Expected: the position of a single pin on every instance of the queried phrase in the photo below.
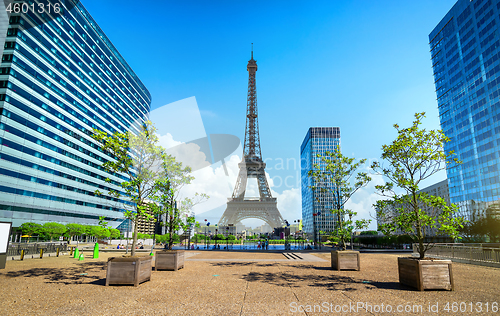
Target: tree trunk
(134, 239)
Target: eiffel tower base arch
(264, 209)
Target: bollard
(77, 253)
(41, 253)
(22, 255)
(96, 251)
(57, 255)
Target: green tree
(31, 229)
(138, 157)
(167, 188)
(334, 177)
(490, 226)
(87, 231)
(368, 233)
(54, 230)
(231, 237)
(414, 156)
(99, 232)
(114, 233)
(198, 238)
(73, 230)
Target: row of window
(84, 41)
(36, 154)
(33, 139)
(11, 208)
(36, 128)
(44, 196)
(40, 77)
(51, 171)
(25, 177)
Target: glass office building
(60, 77)
(318, 140)
(465, 52)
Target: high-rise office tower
(316, 216)
(465, 53)
(60, 77)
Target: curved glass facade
(58, 81)
(465, 51)
(318, 140)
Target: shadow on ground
(83, 273)
(331, 281)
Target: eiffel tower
(252, 166)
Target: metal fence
(31, 249)
(469, 253)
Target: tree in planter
(332, 178)
(54, 230)
(138, 157)
(414, 156)
(167, 189)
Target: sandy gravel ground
(66, 286)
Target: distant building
(318, 140)
(59, 80)
(439, 189)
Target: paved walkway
(240, 283)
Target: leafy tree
(138, 157)
(219, 237)
(231, 237)
(31, 228)
(114, 233)
(167, 188)
(99, 232)
(103, 223)
(73, 229)
(333, 177)
(198, 238)
(87, 231)
(489, 226)
(368, 233)
(53, 229)
(414, 156)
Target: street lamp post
(208, 224)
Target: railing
(469, 253)
(32, 249)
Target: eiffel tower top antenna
(251, 149)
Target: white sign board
(4, 236)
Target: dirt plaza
(241, 283)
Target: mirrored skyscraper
(318, 140)
(465, 53)
(60, 77)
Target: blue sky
(359, 65)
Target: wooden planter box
(426, 274)
(129, 270)
(169, 260)
(345, 260)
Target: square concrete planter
(169, 260)
(345, 260)
(129, 270)
(426, 274)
